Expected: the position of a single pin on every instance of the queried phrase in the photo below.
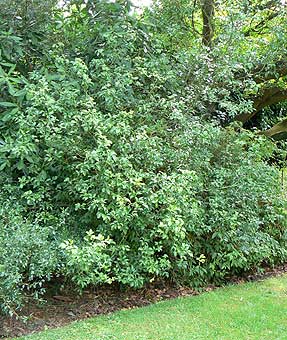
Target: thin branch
(263, 72)
(261, 25)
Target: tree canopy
(243, 50)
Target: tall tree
(243, 48)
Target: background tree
(245, 68)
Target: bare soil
(62, 309)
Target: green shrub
(129, 196)
(245, 213)
(89, 263)
(106, 177)
(28, 255)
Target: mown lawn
(248, 311)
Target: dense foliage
(111, 168)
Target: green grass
(248, 311)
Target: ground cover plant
(247, 311)
(124, 159)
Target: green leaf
(8, 104)
(20, 165)
(16, 80)
(9, 114)
(7, 64)
(2, 166)
(20, 93)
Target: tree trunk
(276, 129)
(269, 96)
(207, 8)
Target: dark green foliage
(33, 23)
(159, 195)
(106, 176)
(29, 255)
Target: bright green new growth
(253, 311)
